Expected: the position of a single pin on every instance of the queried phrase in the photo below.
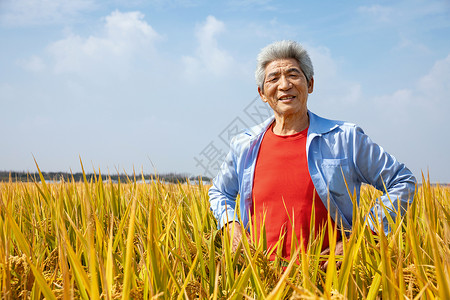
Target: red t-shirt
(281, 174)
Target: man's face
(286, 88)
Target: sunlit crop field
(102, 240)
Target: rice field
(131, 240)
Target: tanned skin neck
(291, 124)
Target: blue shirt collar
(317, 125)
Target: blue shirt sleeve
(225, 188)
(380, 169)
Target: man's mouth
(285, 98)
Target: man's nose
(285, 84)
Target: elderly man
(296, 160)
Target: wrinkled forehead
(285, 65)
(282, 70)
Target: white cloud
(161, 4)
(324, 65)
(414, 122)
(7, 93)
(209, 56)
(126, 28)
(407, 15)
(274, 30)
(33, 64)
(252, 4)
(435, 85)
(406, 44)
(380, 13)
(329, 84)
(427, 100)
(124, 35)
(38, 12)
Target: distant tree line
(58, 176)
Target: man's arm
(223, 192)
(380, 169)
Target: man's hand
(339, 250)
(237, 237)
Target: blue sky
(161, 85)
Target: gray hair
(283, 50)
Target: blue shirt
(335, 150)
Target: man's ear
(311, 85)
(261, 94)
